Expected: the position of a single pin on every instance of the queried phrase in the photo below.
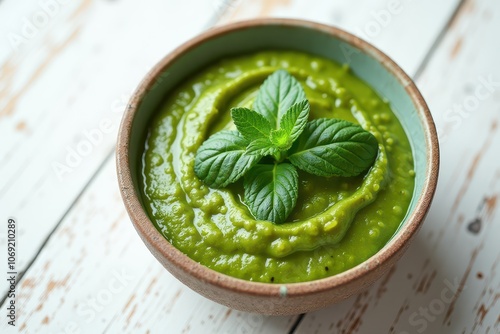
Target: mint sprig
(279, 127)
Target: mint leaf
(294, 121)
(261, 147)
(332, 147)
(250, 124)
(276, 95)
(271, 191)
(221, 159)
(279, 138)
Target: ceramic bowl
(367, 62)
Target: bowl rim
(148, 231)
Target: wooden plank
(62, 93)
(95, 245)
(449, 280)
(404, 29)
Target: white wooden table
(67, 69)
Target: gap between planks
(296, 323)
(63, 217)
(438, 40)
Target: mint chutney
(337, 222)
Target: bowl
(368, 63)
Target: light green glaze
(337, 223)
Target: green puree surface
(337, 222)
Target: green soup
(337, 222)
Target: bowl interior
(369, 65)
